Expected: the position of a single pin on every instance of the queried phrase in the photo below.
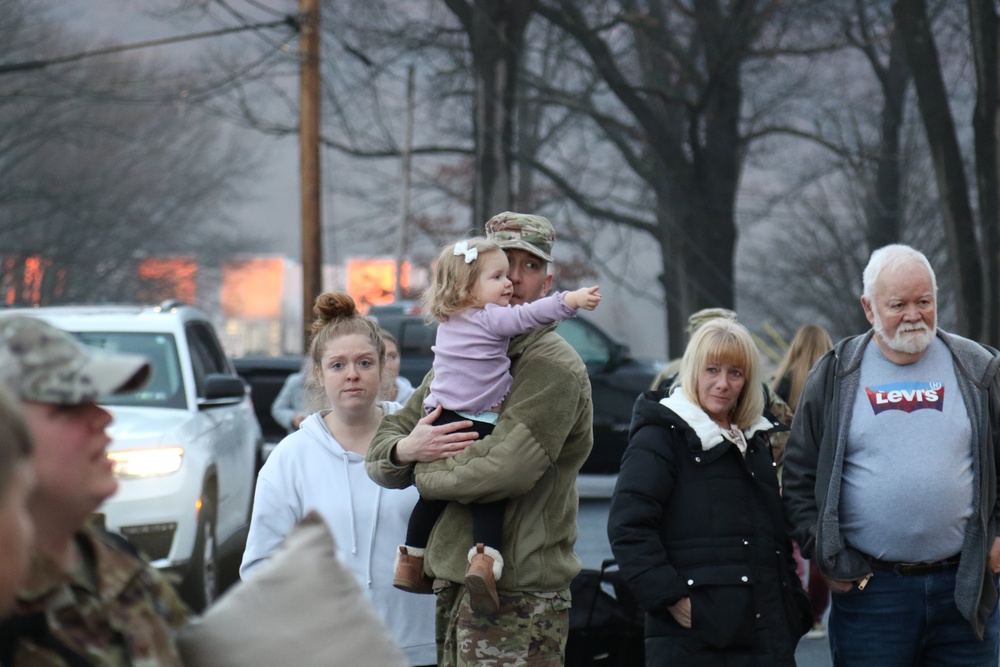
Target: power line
(243, 20)
(7, 68)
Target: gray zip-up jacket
(814, 463)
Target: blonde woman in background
(696, 522)
(810, 343)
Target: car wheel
(202, 582)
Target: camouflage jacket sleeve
(115, 610)
(379, 461)
(781, 412)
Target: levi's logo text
(907, 396)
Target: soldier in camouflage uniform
(543, 436)
(89, 599)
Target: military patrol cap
(706, 315)
(42, 363)
(531, 233)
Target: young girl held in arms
(470, 299)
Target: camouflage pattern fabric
(531, 233)
(42, 363)
(115, 610)
(783, 413)
(528, 629)
(698, 318)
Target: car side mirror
(222, 389)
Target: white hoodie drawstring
(371, 541)
(354, 525)
(350, 501)
(344, 457)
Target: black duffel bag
(605, 622)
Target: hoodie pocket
(722, 605)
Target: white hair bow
(462, 248)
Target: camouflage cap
(42, 363)
(531, 233)
(706, 315)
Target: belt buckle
(915, 568)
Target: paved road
(592, 547)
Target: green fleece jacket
(543, 436)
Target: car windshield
(165, 388)
(587, 342)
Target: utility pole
(404, 224)
(309, 161)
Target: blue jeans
(908, 621)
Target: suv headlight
(147, 462)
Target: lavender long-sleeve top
(471, 367)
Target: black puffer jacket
(687, 521)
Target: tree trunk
(684, 106)
(932, 98)
(496, 37)
(986, 125)
(884, 224)
(674, 278)
(707, 211)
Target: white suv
(184, 447)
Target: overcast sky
(271, 211)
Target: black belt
(907, 569)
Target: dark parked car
(266, 375)
(615, 377)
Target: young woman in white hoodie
(322, 466)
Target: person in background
(890, 481)
(696, 523)
(321, 467)
(395, 387)
(538, 445)
(17, 479)
(810, 343)
(89, 598)
(289, 407)
(470, 299)
(664, 380)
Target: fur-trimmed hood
(707, 431)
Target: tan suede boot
(410, 575)
(485, 568)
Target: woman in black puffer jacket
(696, 522)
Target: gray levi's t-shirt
(906, 493)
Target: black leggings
(487, 518)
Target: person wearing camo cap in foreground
(88, 599)
(541, 439)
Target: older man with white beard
(890, 480)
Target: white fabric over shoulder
(300, 608)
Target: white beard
(907, 344)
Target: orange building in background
(372, 282)
(162, 278)
(253, 288)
